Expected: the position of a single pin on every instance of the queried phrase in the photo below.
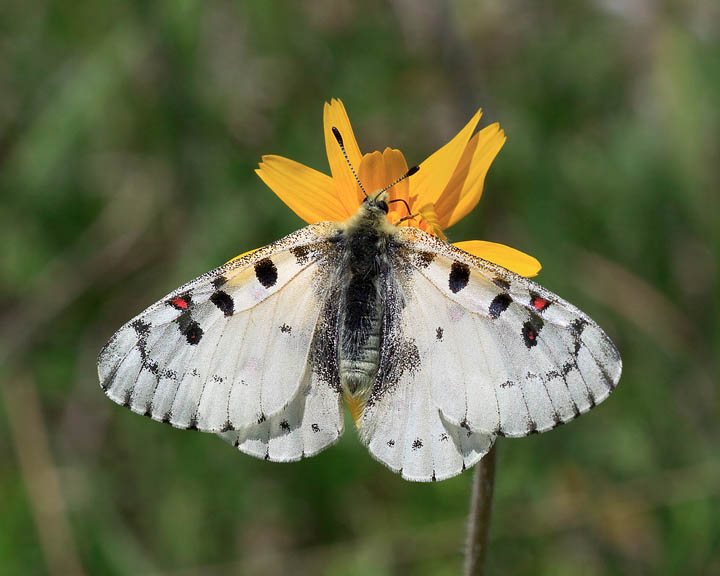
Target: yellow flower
(445, 189)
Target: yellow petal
(379, 169)
(465, 188)
(348, 191)
(308, 193)
(502, 255)
(427, 185)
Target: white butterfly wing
(473, 351)
(513, 358)
(231, 349)
(401, 424)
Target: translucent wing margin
(503, 355)
(227, 351)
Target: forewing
(230, 347)
(503, 355)
(401, 424)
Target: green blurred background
(129, 132)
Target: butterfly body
(435, 351)
(361, 281)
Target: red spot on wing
(531, 335)
(540, 303)
(179, 303)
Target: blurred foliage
(129, 132)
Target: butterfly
(435, 351)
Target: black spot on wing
(266, 272)
(300, 253)
(501, 283)
(578, 325)
(219, 282)
(224, 302)
(181, 302)
(424, 259)
(285, 426)
(141, 327)
(538, 302)
(151, 366)
(499, 304)
(576, 329)
(531, 330)
(417, 444)
(315, 427)
(459, 276)
(439, 333)
(285, 329)
(189, 328)
(391, 443)
(529, 335)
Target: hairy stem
(476, 545)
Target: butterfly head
(372, 214)
(378, 203)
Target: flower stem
(476, 545)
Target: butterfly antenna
(339, 139)
(407, 174)
(403, 201)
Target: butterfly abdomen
(359, 364)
